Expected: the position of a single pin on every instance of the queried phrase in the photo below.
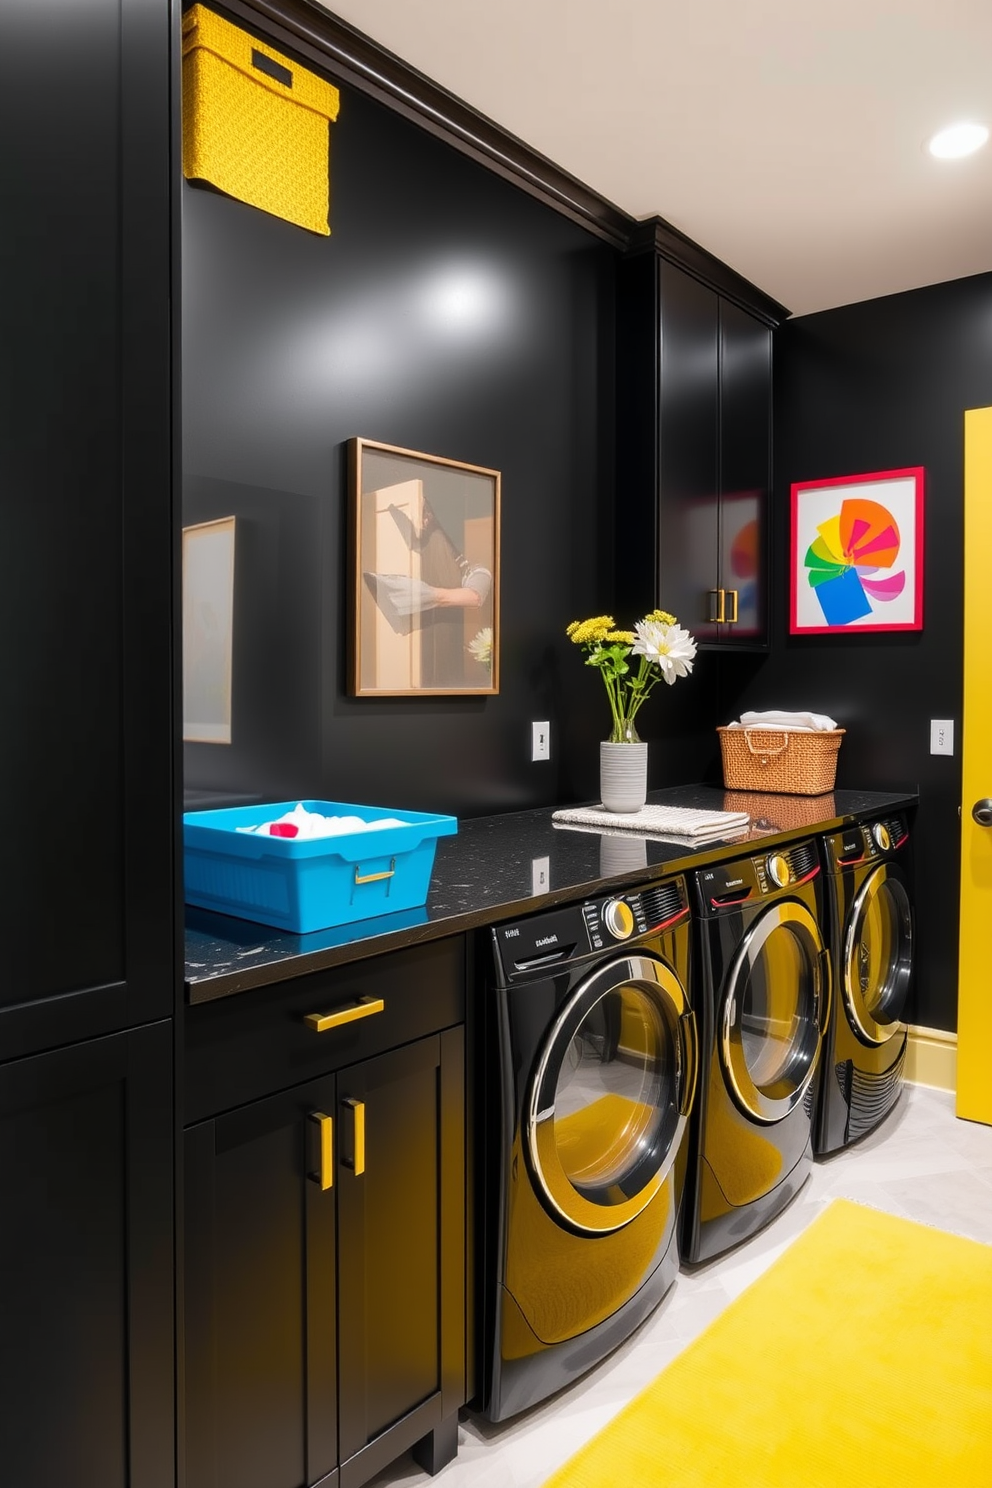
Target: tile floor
(921, 1163)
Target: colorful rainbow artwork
(850, 563)
(856, 553)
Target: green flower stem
(626, 691)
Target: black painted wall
(878, 386)
(450, 313)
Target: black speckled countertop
(487, 873)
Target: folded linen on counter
(796, 722)
(681, 823)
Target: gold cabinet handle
(720, 595)
(363, 1008)
(357, 1162)
(732, 619)
(325, 1128)
(374, 877)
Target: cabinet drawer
(240, 1048)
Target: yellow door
(974, 1095)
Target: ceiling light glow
(958, 140)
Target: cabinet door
(259, 1297)
(402, 1260)
(86, 1265)
(688, 443)
(86, 558)
(745, 473)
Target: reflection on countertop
(488, 872)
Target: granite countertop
(494, 869)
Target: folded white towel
(656, 821)
(779, 720)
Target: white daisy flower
(669, 646)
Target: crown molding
(655, 235)
(355, 59)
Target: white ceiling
(785, 136)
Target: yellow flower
(624, 637)
(590, 632)
(661, 617)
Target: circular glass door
(611, 1094)
(774, 1011)
(878, 955)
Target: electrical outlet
(540, 875)
(942, 736)
(540, 748)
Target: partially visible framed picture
(208, 630)
(424, 539)
(856, 559)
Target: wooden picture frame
(856, 553)
(208, 630)
(424, 574)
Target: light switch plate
(540, 875)
(540, 748)
(942, 736)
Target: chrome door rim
(573, 1207)
(862, 1022)
(758, 1105)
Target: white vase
(623, 776)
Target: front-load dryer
(870, 929)
(762, 996)
(587, 1069)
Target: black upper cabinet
(694, 452)
(86, 560)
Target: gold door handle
(375, 877)
(363, 1008)
(325, 1132)
(357, 1161)
(732, 619)
(720, 596)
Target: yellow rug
(861, 1359)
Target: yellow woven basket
(795, 764)
(255, 124)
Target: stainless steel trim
(869, 1029)
(577, 1211)
(753, 1101)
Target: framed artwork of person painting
(424, 538)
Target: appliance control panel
(865, 841)
(725, 885)
(543, 940)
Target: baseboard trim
(932, 1058)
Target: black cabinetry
(694, 446)
(87, 910)
(325, 1272)
(86, 1258)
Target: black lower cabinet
(86, 1265)
(324, 1311)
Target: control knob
(778, 869)
(618, 917)
(880, 832)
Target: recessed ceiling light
(958, 140)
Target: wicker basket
(800, 763)
(255, 124)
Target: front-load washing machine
(870, 929)
(762, 996)
(586, 1075)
